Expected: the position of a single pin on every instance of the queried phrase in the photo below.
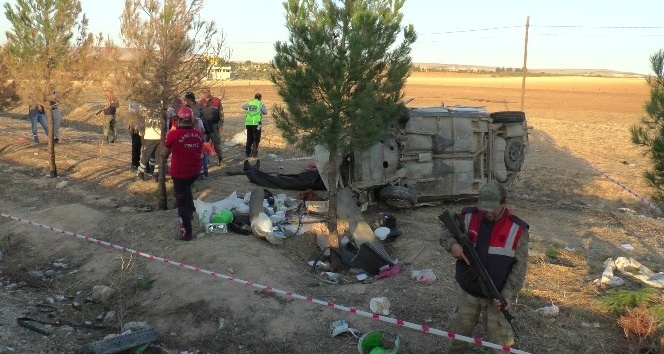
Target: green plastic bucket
(378, 342)
(222, 217)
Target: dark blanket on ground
(299, 182)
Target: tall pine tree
(49, 49)
(649, 133)
(340, 76)
(172, 45)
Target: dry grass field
(580, 127)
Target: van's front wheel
(398, 197)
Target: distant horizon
(489, 67)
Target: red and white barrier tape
(330, 304)
(624, 187)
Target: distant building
(221, 73)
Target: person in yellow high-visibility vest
(253, 122)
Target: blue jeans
(204, 164)
(41, 119)
(56, 123)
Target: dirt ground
(579, 129)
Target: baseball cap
(186, 114)
(491, 195)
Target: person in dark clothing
(136, 129)
(501, 241)
(213, 118)
(109, 124)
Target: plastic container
(382, 232)
(222, 217)
(214, 227)
(378, 342)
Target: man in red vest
(501, 241)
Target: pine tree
(649, 133)
(171, 45)
(48, 48)
(340, 76)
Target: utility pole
(524, 70)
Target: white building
(220, 73)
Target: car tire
(508, 117)
(398, 197)
(515, 154)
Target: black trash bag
(299, 181)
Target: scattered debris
(627, 246)
(382, 232)
(119, 343)
(388, 271)
(61, 185)
(380, 305)
(320, 265)
(634, 269)
(379, 342)
(340, 326)
(331, 277)
(549, 311)
(607, 275)
(627, 210)
(425, 276)
(102, 293)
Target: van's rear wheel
(515, 154)
(398, 197)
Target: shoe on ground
(36, 140)
(156, 177)
(56, 140)
(219, 161)
(246, 166)
(185, 237)
(257, 165)
(202, 176)
(140, 176)
(134, 167)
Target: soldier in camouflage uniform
(501, 241)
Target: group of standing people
(191, 123)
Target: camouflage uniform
(473, 308)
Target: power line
(474, 30)
(545, 26)
(601, 27)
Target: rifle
(477, 270)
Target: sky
(563, 34)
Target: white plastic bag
(425, 276)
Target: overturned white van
(434, 154)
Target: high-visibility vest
(254, 114)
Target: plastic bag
(425, 276)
